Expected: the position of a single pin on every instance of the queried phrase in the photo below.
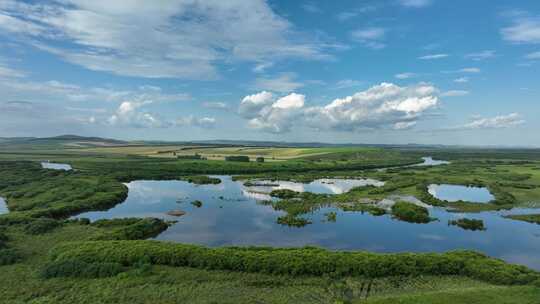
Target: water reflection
(321, 186)
(454, 193)
(230, 216)
(56, 166)
(3, 206)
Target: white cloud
(215, 105)
(531, 56)
(370, 37)
(433, 56)
(454, 93)
(469, 70)
(481, 55)
(128, 114)
(415, 3)
(382, 106)
(253, 104)
(7, 72)
(349, 14)
(461, 80)
(497, 122)
(284, 83)
(277, 116)
(405, 75)
(348, 83)
(524, 29)
(311, 8)
(177, 39)
(204, 122)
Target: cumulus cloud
(251, 105)
(177, 39)
(461, 80)
(433, 56)
(415, 3)
(497, 122)
(129, 114)
(525, 28)
(284, 82)
(277, 116)
(371, 37)
(382, 106)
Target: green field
(48, 259)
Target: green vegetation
(193, 157)
(260, 159)
(45, 258)
(237, 158)
(531, 218)
(297, 261)
(331, 216)
(130, 228)
(197, 203)
(410, 212)
(203, 180)
(468, 224)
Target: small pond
(429, 161)
(3, 206)
(454, 193)
(231, 215)
(56, 166)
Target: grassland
(40, 200)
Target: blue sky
(396, 71)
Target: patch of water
(230, 217)
(321, 186)
(428, 161)
(56, 166)
(3, 206)
(454, 193)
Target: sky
(387, 72)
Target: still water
(453, 193)
(55, 166)
(230, 215)
(3, 206)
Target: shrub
(41, 225)
(410, 212)
(77, 268)
(237, 158)
(260, 159)
(284, 193)
(297, 261)
(331, 216)
(132, 228)
(292, 221)
(8, 256)
(203, 180)
(468, 224)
